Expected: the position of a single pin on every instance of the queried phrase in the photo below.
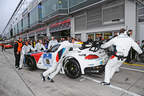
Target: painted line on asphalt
(131, 69)
(134, 64)
(112, 86)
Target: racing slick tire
(31, 63)
(72, 68)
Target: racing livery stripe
(112, 57)
(59, 54)
(37, 56)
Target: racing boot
(42, 77)
(16, 67)
(19, 68)
(105, 83)
(51, 80)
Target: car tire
(72, 68)
(31, 63)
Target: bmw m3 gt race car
(75, 63)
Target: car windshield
(55, 48)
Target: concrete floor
(23, 82)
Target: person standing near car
(52, 42)
(25, 49)
(89, 40)
(3, 47)
(39, 46)
(46, 43)
(123, 44)
(17, 52)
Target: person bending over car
(25, 49)
(39, 46)
(122, 43)
(57, 61)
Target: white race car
(75, 63)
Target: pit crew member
(52, 42)
(39, 46)
(17, 50)
(57, 62)
(25, 49)
(123, 44)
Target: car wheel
(72, 68)
(31, 63)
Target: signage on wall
(63, 25)
(39, 29)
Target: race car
(75, 63)
(7, 46)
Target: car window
(55, 48)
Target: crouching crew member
(17, 52)
(25, 49)
(123, 44)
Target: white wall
(72, 31)
(140, 32)
(130, 16)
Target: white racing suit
(123, 44)
(52, 43)
(25, 50)
(39, 46)
(57, 64)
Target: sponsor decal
(59, 54)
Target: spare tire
(72, 68)
(31, 63)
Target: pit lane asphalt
(30, 83)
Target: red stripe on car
(37, 56)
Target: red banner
(59, 23)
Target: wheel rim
(72, 69)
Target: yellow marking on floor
(134, 64)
